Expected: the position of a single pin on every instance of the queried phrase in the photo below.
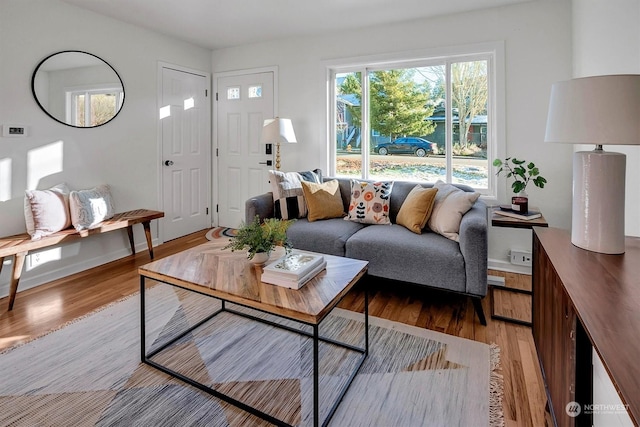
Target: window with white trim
(93, 107)
(403, 120)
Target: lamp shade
(595, 110)
(277, 130)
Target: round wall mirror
(78, 89)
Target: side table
(495, 281)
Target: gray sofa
(393, 251)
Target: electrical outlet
(42, 257)
(520, 257)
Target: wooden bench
(20, 244)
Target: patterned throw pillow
(90, 207)
(369, 202)
(288, 198)
(46, 211)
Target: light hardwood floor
(50, 306)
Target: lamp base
(598, 201)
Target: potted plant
(259, 239)
(522, 173)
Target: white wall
(537, 38)
(122, 153)
(606, 40)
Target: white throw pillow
(90, 207)
(46, 211)
(450, 205)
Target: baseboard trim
(495, 264)
(67, 270)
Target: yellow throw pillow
(323, 200)
(416, 208)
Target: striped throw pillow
(288, 197)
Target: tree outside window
(412, 102)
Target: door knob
(268, 163)
(168, 162)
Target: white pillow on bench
(46, 211)
(90, 207)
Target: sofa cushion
(328, 236)
(369, 202)
(396, 253)
(416, 208)
(90, 207)
(288, 197)
(46, 211)
(450, 205)
(323, 200)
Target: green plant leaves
(261, 237)
(521, 174)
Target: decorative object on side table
(261, 238)
(522, 173)
(597, 110)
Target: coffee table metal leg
(143, 354)
(366, 322)
(316, 388)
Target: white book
(293, 266)
(529, 215)
(275, 279)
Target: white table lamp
(275, 131)
(601, 110)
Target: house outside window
(403, 120)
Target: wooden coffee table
(229, 277)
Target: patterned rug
(220, 232)
(88, 373)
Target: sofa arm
(261, 205)
(474, 247)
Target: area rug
(88, 373)
(220, 232)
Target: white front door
(186, 152)
(244, 101)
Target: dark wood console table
(583, 299)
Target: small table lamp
(276, 131)
(597, 110)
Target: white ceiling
(217, 24)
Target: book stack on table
(530, 214)
(294, 270)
